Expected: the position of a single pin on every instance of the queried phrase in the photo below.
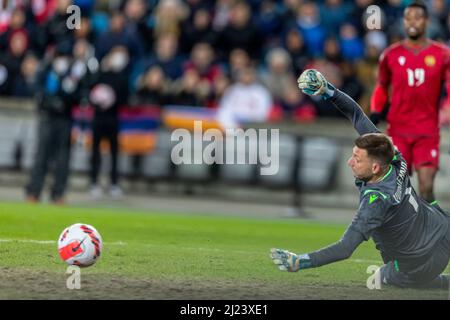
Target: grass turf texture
(166, 256)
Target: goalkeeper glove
(313, 83)
(288, 261)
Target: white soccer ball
(80, 245)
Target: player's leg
(41, 164)
(62, 158)
(426, 163)
(391, 275)
(445, 278)
(403, 145)
(426, 176)
(429, 274)
(425, 276)
(440, 282)
(97, 134)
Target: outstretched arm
(343, 249)
(370, 216)
(353, 112)
(338, 251)
(312, 82)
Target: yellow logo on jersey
(430, 61)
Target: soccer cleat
(31, 199)
(96, 192)
(58, 201)
(313, 83)
(288, 261)
(116, 192)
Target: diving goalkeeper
(412, 235)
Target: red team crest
(430, 61)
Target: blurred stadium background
(175, 61)
(182, 57)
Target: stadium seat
(79, 158)
(10, 133)
(318, 162)
(194, 172)
(287, 162)
(239, 173)
(125, 164)
(7, 149)
(157, 164)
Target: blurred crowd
(224, 54)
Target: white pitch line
(367, 261)
(29, 241)
(118, 243)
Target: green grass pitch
(150, 255)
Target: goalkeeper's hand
(288, 261)
(313, 83)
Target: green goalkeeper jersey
(404, 227)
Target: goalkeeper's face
(363, 167)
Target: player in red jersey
(415, 70)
